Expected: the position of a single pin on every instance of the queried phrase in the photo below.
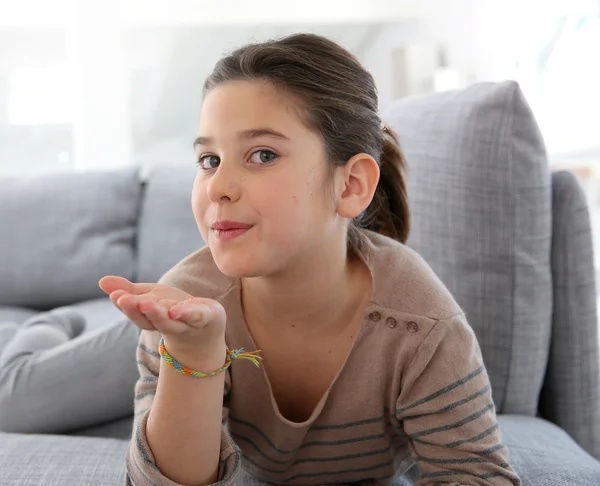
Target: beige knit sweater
(413, 389)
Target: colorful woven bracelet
(232, 355)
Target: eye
(207, 162)
(263, 157)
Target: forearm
(184, 423)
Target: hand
(189, 324)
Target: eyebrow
(245, 135)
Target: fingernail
(177, 315)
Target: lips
(229, 230)
(230, 225)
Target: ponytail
(389, 213)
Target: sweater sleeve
(447, 411)
(141, 466)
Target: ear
(357, 184)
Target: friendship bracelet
(232, 355)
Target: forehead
(246, 104)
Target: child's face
(278, 185)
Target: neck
(315, 294)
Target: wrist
(204, 358)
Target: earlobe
(360, 178)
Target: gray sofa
(511, 240)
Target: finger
(139, 322)
(146, 326)
(112, 283)
(128, 304)
(115, 296)
(158, 315)
(193, 312)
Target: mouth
(228, 230)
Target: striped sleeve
(447, 411)
(141, 467)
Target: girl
(368, 364)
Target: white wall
(138, 70)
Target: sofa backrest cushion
(479, 191)
(62, 232)
(167, 228)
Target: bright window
(40, 96)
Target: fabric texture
(62, 232)
(18, 315)
(76, 383)
(167, 228)
(479, 193)
(413, 389)
(49, 460)
(114, 429)
(544, 454)
(98, 313)
(66, 318)
(541, 453)
(39, 333)
(571, 393)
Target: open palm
(159, 307)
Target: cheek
(292, 210)
(285, 200)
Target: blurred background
(88, 84)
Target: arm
(447, 411)
(178, 437)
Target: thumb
(111, 283)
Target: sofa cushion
(167, 228)
(18, 315)
(54, 460)
(115, 429)
(98, 313)
(543, 454)
(62, 232)
(479, 190)
(540, 452)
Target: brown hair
(340, 102)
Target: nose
(224, 184)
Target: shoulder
(404, 282)
(416, 315)
(198, 275)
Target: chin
(237, 266)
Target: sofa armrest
(571, 391)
